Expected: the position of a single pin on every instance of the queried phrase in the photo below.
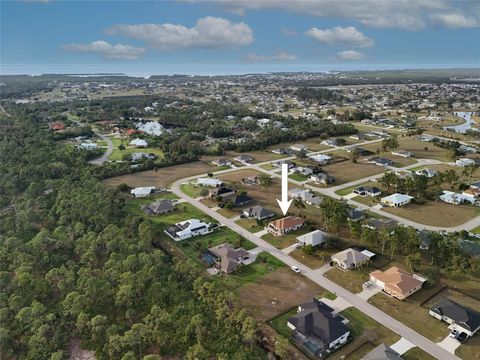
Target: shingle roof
(287, 222)
(459, 313)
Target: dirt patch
(77, 353)
(162, 177)
(288, 288)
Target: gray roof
(382, 352)
(260, 212)
(320, 324)
(159, 207)
(462, 315)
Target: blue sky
(228, 36)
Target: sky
(231, 36)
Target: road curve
(106, 154)
(370, 310)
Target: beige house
(350, 258)
(285, 225)
(397, 282)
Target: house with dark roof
(356, 214)
(462, 318)
(380, 224)
(380, 161)
(368, 191)
(258, 212)
(223, 192)
(159, 207)
(382, 352)
(244, 159)
(317, 328)
(242, 200)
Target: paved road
(106, 154)
(356, 301)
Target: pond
(467, 125)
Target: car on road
(454, 334)
(296, 269)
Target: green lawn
(327, 295)
(476, 230)
(298, 177)
(281, 242)
(251, 225)
(417, 354)
(118, 154)
(191, 190)
(367, 200)
(280, 323)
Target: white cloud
(107, 50)
(404, 14)
(347, 36)
(288, 32)
(350, 55)
(209, 33)
(280, 56)
(455, 20)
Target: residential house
(222, 162)
(429, 173)
(358, 136)
(321, 159)
(402, 153)
(298, 147)
(451, 197)
(317, 328)
(380, 161)
(475, 185)
(258, 212)
(397, 282)
(462, 318)
(329, 142)
(426, 138)
(285, 225)
(305, 171)
(139, 143)
(367, 191)
(465, 149)
(470, 247)
(278, 164)
(355, 215)
(56, 125)
(465, 162)
(242, 200)
(223, 192)
(359, 151)
(142, 191)
(280, 151)
(322, 178)
(396, 200)
(159, 207)
(350, 258)
(210, 182)
(187, 229)
(139, 156)
(305, 195)
(250, 180)
(425, 239)
(313, 238)
(382, 352)
(379, 224)
(227, 258)
(244, 159)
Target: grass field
(347, 171)
(298, 177)
(162, 177)
(417, 354)
(118, 155)
(318, 258)
(280, 323)
(191, 190)
(446, 215)
(251, 225)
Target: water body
(467, 125)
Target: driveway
(449, 344)
(402, 346)
(289, 249)
(369, 292)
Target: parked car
(298, 246)
(462, 337)
(454, 334)
(296, 269)
(221, 206)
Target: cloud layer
(208, 33)
(347, 36)
(107, 50)
(350, 55)
(405, 14)
(280, 56)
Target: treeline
(320, 95)
(73, 264)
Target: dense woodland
(73, 264)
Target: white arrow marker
(284, 203)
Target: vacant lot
(417, 354)
(258, 156)
(281, 242)
(162, 177)
(347, 171)
(276, 292)
(318, 258)
(251, 225)
(446, 215)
